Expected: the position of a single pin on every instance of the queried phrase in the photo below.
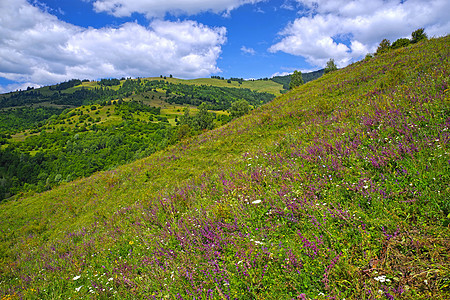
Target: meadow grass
(338, 189)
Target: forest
(73, 129)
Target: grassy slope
(352, 171)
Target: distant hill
(111, 122)
(336, 189)
(307, 77)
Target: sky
(44, 42)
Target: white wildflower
(256, 202)
(77, 277)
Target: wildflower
(131, 242)
(78, 288)
(256, 202)
(77, 277)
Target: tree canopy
(383, 47)
(331, 66)
(296, 80)
(418, 35)
(239, 108)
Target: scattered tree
(204, 119)
(296, 80)
(383, 47)
(239, 108)
(403, 42)
(418, 36)
(331, 66)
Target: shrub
(400, 43)
(383, 47)
(418, 36)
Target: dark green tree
(331, 66)
(296, 80)
(239, 108)
(383, 47)
(400, 43)
(204, 119)
(418, 36)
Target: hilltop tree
(331, 66)
(296, 80)
(403, 42)
(383, 47)
(418, 36)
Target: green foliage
(383, 47)
(418, 35)
(77, 153)
(66, 85)
(109, 82)
(307, 77)
(239, 108)
(190, 125)
(204, 119)
(217, 98)
(296, 80)
(368, 57)
(400, 43)
(331, 66)
(19, 119)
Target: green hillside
(307, 77)
(338, 189)
(70, 130)
(254, 85)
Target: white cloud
(158, 8)
(17, 86)
(280, 74)
(39, 49)
(347, 30)
(249, 51)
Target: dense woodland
(307, 77)
(67, 132)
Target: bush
(400, 43)
(331, 66)
(383, 47)
(418, 36)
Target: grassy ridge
(336, 189)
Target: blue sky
(48, 41)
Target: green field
(338, 189)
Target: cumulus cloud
(36, 48)
(347, 30)
(158, 8)
(280, 74)
(249, 51)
